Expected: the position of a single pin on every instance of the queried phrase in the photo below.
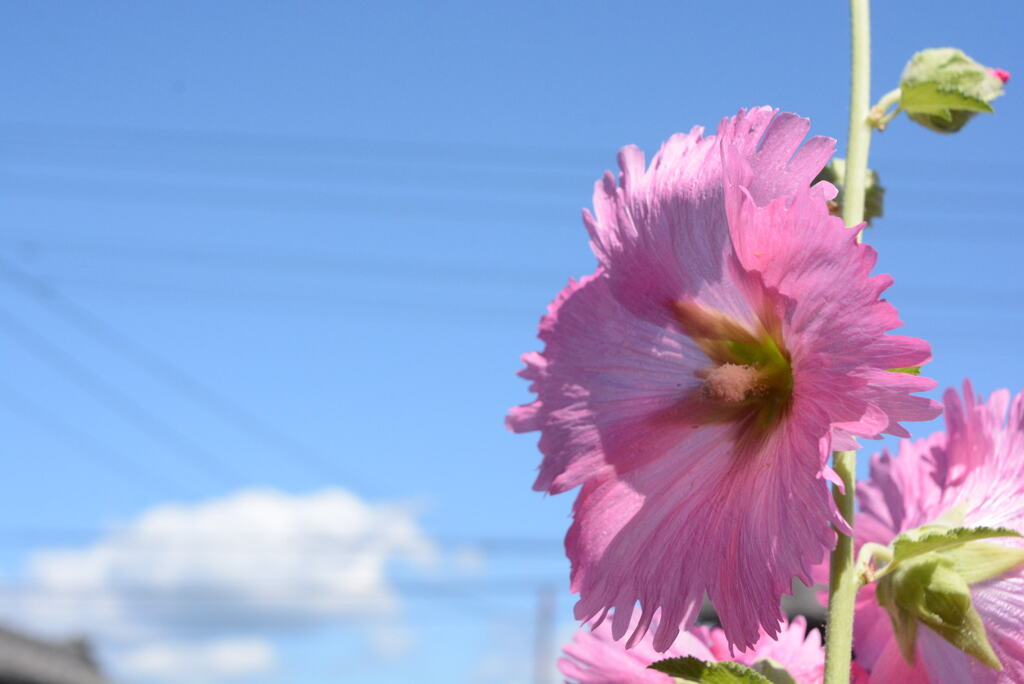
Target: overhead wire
(17, 535)
(249, 146)
(120, 403)
(528, 156)
(303, 263)
(166, 371)
(21, 404)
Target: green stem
(843, 584)
(880, 115)
(842, 579)
(869, 553)
(859, 139)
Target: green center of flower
(750, 377)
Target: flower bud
(942, 88)
(927, 582)
(928, 590)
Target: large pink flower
(978, 466)
(594, 657)
(694, 384)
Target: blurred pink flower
(594, 657)
(694, 384)
(978, 463)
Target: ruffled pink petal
(891, 667)
(595, 656)
(676, 501)
(792, 244)
(665, 533)
(605, 382)
(1000, 602)
(946, 664)
(893, 393)
(798, 650)
(872, 628)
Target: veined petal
(606, 379)
(694, 384)
(697, 520)
(596, 657)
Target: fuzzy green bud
(927, 582)
(942, 88)
(928, 590)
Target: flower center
(731, 382)
(750, 379)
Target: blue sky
(295, 246)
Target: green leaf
(773, 671)
(929, 98)
(690, 669)
(909, 370)
(929, 538)
(977, 562)
(942, 88)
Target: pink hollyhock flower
(595, 657)
(977, 465)
(694, 384)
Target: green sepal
(928, 98)
(874, 193)
(937, 538)
(690, 669)
(909, 370)
(773, 671)
(977, 562)
(927, 581)
(942, 88)
(928, 590)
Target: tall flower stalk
(843, 583)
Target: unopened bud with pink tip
(942, 88)
(1002, 74)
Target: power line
(318, 301)
(122, 537)
(217, 596)
(956, 299)
(454, 152)
(120, 403)
(427, 206)
(161, 369)
(295, 262)
(431, 207)
(23, 405)
(529, 156)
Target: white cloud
(391, 640)
(163, 590)
(469, 560)
(256, 559)
(213, 661)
